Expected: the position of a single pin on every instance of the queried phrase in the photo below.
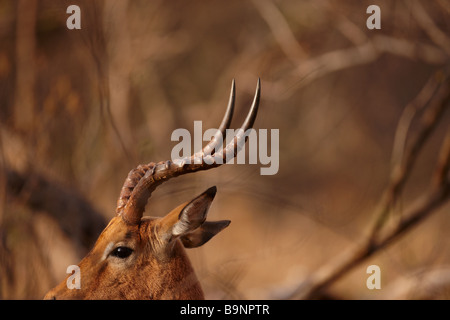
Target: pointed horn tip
(233, 87)
(255, 104)
(251, 117)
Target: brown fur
(158, 267)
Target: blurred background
(80, 108)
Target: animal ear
(204, 233)
(187, 217)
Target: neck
(177, 278)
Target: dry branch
(381, 233)
(405, 159)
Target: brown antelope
(138, 257)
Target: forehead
(118, 230)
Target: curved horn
(143, 180)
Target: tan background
(80, 108)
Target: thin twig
(402, 168)
(320, 66)
(421, 101)
(280, 30)
(426, 22)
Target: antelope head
(138, 257)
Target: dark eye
(122, 252)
